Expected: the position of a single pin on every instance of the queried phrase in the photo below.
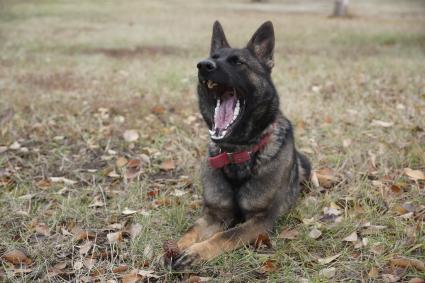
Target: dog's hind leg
(304, 167)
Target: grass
(75, 75)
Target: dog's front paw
(187, 257)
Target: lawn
(101, 139)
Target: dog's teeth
(212, 132)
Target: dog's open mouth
(228, 109)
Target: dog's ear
(218, 39)
(262, 44)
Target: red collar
(224, 158)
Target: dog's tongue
(225, 111)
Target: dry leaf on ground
(408, 262)
(268, 266)
(115, 237)
(42, 229)
(131, 135)
(17, 257)
(128, 211)
(168, 165)
(326, 177)
(329, 259)
(62, 180)
(131, 278)
(119, 269)
(351, 238)
(381, 123)
(134, 230)
(85, 248)
(328, 272)
(414, 174)
(315, 233)
(389, 278)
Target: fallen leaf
(268, 266)
(158, 109)
(315, 233)
(128, 211)
(408, 262)
(372, 229)
(115, 237)
(378, 248)
(314, 179)
(78, 265)
(113, 174)
(148, 251)
(60, 265)
(121, 162)
(145, 159)
(389, 278)
(326, 177)
(328, 272)
(134, 230)
(381, 123)
(115, 226)
(163, 202)
(89, 262)
(416, 280)
(21, 270)
(414, 174)
(17, 257)
(288, 234)
(62, 180)
(85, 248)
(134, 167)
(178, 193)
(148, 274)
(351, 238)
(44, 184)
(168, 165)
(42, 229)
(15, 146)
(80, 235)
(373, 272)
(97, 202)
(131, 278)
(130, 135)
(329, 259)
(120, 268)
(193, 279)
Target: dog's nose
(206, 65)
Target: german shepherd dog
(253, 172)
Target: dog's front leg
(204, 227)
(218, 208)
(228, 240)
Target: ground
(100, 139)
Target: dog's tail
(304, 167)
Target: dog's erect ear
(218, 39)
(262, 44)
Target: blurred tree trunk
(340, 8)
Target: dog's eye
(215, 56)
(235, 60)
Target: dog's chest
(238, 173)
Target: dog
(253, 171)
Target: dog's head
(236, 95)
